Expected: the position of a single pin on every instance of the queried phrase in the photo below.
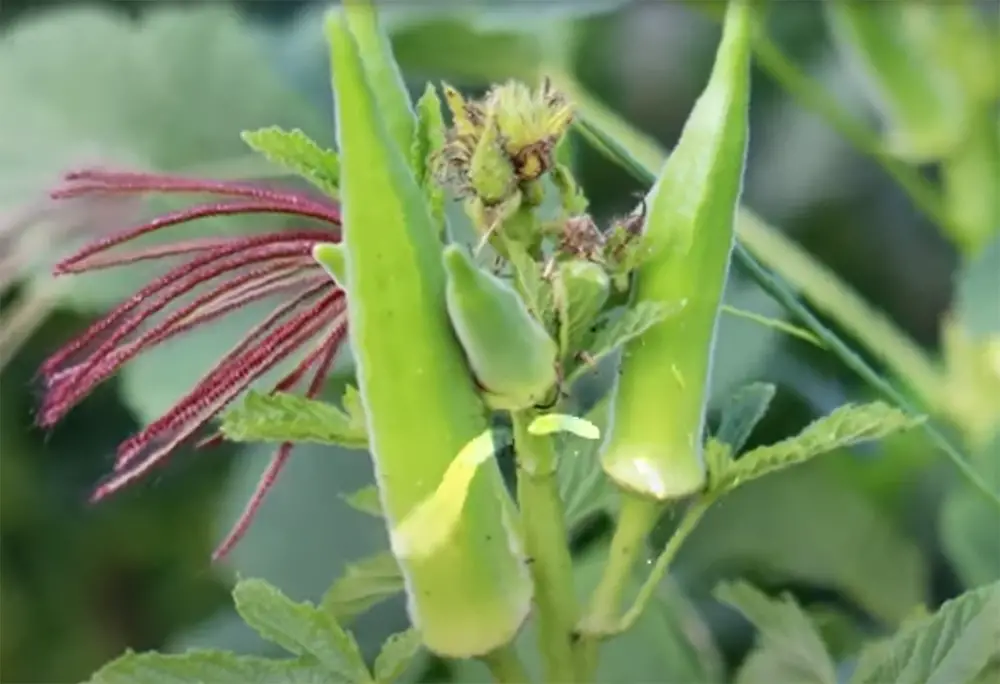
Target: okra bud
(472, 593)
(653, 445)
(510, 353)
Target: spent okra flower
(209, 278)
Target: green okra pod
(653, 446)
(470, 594)
(509, 351)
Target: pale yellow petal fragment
(557, 422)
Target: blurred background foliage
(862, 538)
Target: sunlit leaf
(217, 667)
(848, 425)
(365, 500)
(283, 417)
(301, 629)
(298, 153)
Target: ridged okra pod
(510, 353)
(653, 445)
(470, 595)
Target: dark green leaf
(396, 655)
(217, 667)
(298, 153)
(301, 629)
(363, 584)
(283, 417)
(788, 640)
(742, 412)
(954, 645)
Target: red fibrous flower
(215, 276)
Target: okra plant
(466, 350)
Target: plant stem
(636, 520)
(547, 545)
(505, 665)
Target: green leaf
(396, 655)
(283, 417)
(954, 645)
(809, 525)
(429, 140)
(217, 667)
(365, 500)
(583, 487)
(741, 413)
(300, 628)
(534, 289)
(788, 640)
(363, 584)
(619, 327)
(298, 153)
(848, 425)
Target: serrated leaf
(954, 645)
(363, 584)
(282, 417)
(298, 153)
(848, 425)
(794, 649)
(217, 667)
(397, 653)
(537, 293)
(301, 629)
(365, 500)
(429, 140)
(741, 413)
(620, 327)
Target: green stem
(505, 665)
(547, 545)
(636, 520)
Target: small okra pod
(653, 445)
(472, 593)
(509, 351)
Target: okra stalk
(653, 447)
(472, 593)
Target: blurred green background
(169, 85)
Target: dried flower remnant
(215, 276)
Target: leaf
(774, 324)
(297, 152)
(537, 293)
(977, 302)
(620, 327)
(428, 141)
(809, 525)
(583, 487)
(954, 645)
(786, 635)
(848, 425)
(396, 655)
(365, 500)
(363, 585)
(217, 667)
(300, 628)
(283, 417)
(741, 413)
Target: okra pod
(653, 445)
(471, 595)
